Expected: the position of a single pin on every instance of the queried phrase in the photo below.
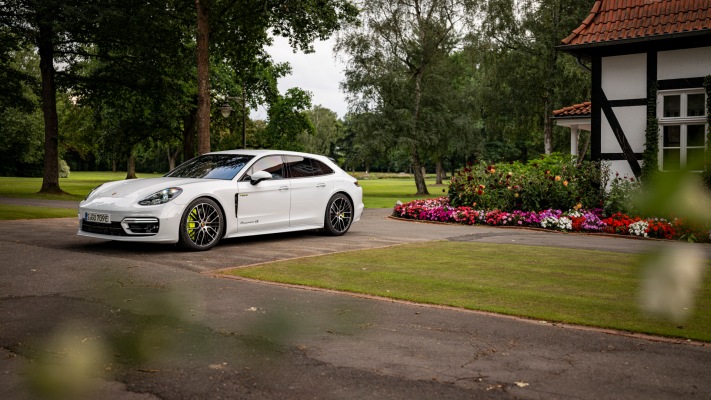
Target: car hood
(137, 189)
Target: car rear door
(311, 187)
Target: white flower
(639, 228)
(565, 223)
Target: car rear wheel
(339, 215)
(202, 225)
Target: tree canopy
(431, 84)
(455, 81)
(129, 68)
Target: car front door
(263, 206)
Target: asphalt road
(166, 327)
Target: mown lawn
(383, 193)
(572, 286)
(78, 185)
(377, 193)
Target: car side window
(299, 167)
(321, 168)
(272, 164)
(303, 167)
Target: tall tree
(526, 34)
(391, 52)
(225, 24)
(40, 23)
(327, 132)
(203, 75)
(64, 33)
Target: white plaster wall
(625, 77)
(633, 121)
(686, 63)
(608, 141)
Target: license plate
(97, 217)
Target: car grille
(113, 229)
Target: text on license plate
(97, 217)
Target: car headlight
(92, 192)
(161, 197)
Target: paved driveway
(191, 335)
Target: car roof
(264, 152)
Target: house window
(682, 121)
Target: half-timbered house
(649, 60)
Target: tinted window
(211, 166)
(301, 167)
(321, 168)
(272, 164)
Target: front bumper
(131, 223)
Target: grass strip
(383, 193)
(583, 287)
(10, 212)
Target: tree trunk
(415, 156)
(189, 135)
(417, 169)
(172, 158)
(114, 167)
(440, 171)
(131, 166)
(547, 126)
(50, 180)
(203, 64)
(584, 150)
(549, 91)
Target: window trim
(682, 121)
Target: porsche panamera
(225, 194)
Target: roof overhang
(686, 39)
(584, 123)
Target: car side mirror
(259, 176)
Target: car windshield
(211, 166)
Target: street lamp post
(226, 109)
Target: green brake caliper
(193, 224)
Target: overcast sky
(318, 73)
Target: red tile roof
(612, 20)
(578, 110)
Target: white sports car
(225, 194)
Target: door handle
(284, 188)
(320, 185)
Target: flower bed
(441, 210)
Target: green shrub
(622, 195)
(63, 169)
(553, 181)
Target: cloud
(318, 72)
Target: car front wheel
(339, 215)
(202, 225)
